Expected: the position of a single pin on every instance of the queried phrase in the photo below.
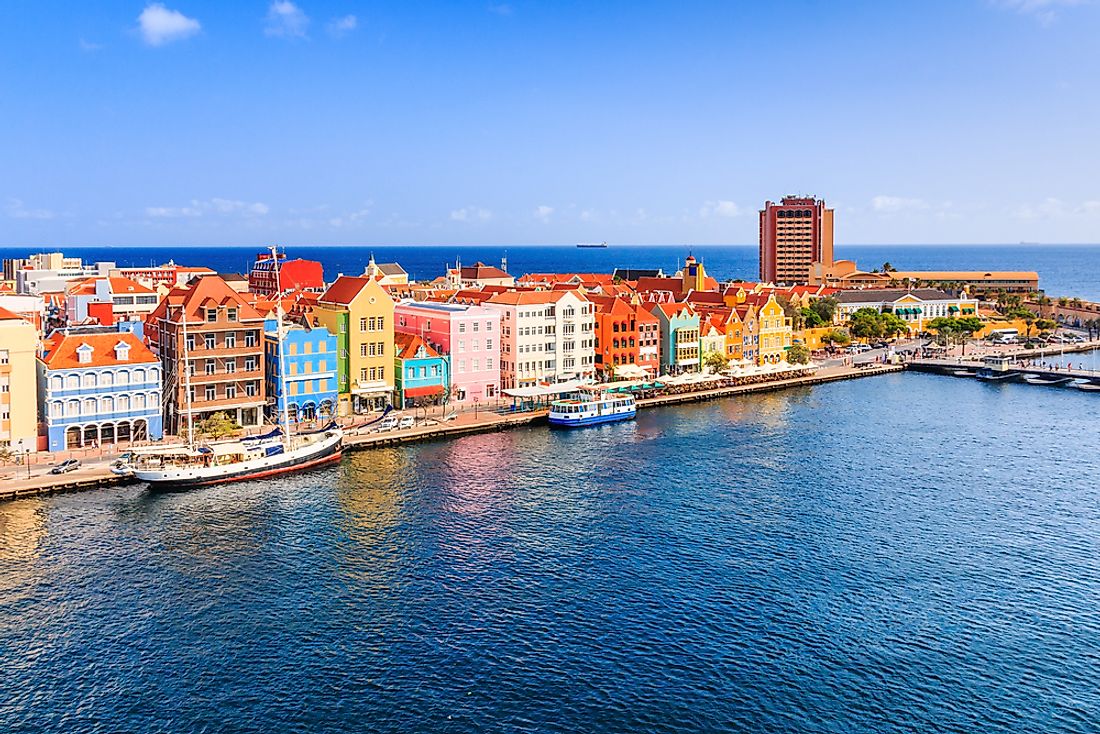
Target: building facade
(292, 275)
(309, 358)
(359, 312)
(794, 234)
(546, 336)
(422, 374)
(109, 300)
(18, 383)
(210, 342)
(679, 341)
(98, 389)
(470, 335)
(915, 307)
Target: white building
(546, 336)
(915, 306)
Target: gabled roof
(711, 297)
(119, 286)
(480, 270)
(344, 290)
(60, 350)
(673, 285)
(528, 298)
(409, 344)
(884, 295)
(6, 315)
(206, 291)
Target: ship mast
(284, 413)
(187, 380)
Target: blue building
(98, 388)
(421, 372)
(310, 362)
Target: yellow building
(775, 332)
(18, 384)
(359, 312)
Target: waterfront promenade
(95, 473)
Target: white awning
(542, 391)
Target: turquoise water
(893, 554)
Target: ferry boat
(589, 409)
(276, 452)
(592, 244)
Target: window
(363, 324)
(250, 389)
(230, 391)
(190, 342)
(363, 350)
(210, 393)
(489, 364)
(475, 327)
(462, 328)
(250, 338)
(461, 345)
(231, 314)
(230, 366)
(210, 367)
(489, 345)
(231, 340)
(461, 365)
(475, 364)
(363, 374)
(249, 364)
(208, 341)
(211, 315)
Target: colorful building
(915, 307)
(775, 334)
(712, 336)
(224, 354)
(359, 312)
(422, 374)
(309, 357)
(98, 388)
(292, 275)
(466, 333)
(794, 234)
(108, 300)
(680, 349)
(18, 383)
(546, 336)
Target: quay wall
(15, 488)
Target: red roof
(60, 350)
(207, 291)
(119, 286)
(344, 290)
(409, 344)
(480, 270)
(674, 285)
(6, 315)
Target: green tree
(218, 425)
(865, 324)
(836, 337)
(825, 308)
(798, 354)
(716, 361)
(812, 319)
(1045, 325)
(891, 325)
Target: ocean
(905, 553)
(1069, 270)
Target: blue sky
(342, 122)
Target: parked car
(1074, 338)
(388, 423)
(65, 467)
(881, 345)
(407, 421)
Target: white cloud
(158, 25)
(895, 204)
(286, 20)
(352, 217)
(1046, 11)
(89, 46)
(16, 210)
(500, 8)
(543, 212)
(215, 206)
(471, 214)
(1055, 208)
(719, 208)
(338, 27)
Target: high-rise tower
(794, 234)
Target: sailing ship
(277, 452)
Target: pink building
(469, 335)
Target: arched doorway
(72, 437)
